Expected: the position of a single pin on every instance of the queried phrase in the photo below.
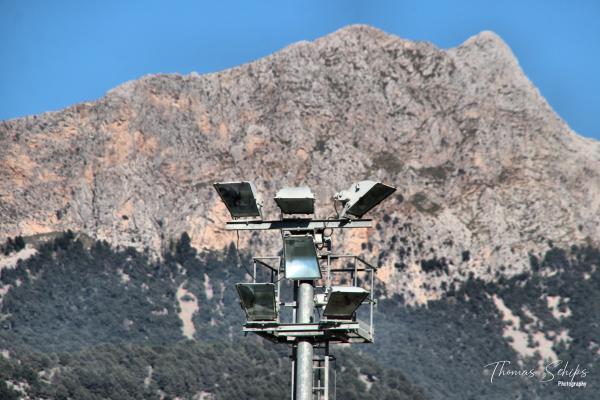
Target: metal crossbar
(300, 224)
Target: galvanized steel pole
(304, 350)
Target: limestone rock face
(485, 170)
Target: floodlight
(258, 301)
(240, 198)
(296, 200)
(362, 197)
(301, 258)
(343, 301)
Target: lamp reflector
(301, 258)
(362, 197)
(258, 301)
(296, 200)
(240, 198)
(343, 301)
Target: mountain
(491, 240)
(482, 163)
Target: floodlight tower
(307, 260)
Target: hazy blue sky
(57, 53)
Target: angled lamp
(296, 200)
(300, 258)
(343, 301)
(362, 197)
(240, 198)
(258, 301)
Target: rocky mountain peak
(486, 172)
(487, 41)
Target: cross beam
(298, 224)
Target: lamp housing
(240, 198)
(296, 200)
(362, 197)
(258, 301)
(300, 258)
(342, 301)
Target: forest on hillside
(74, 328)
(89, 321)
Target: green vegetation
(435, 264)
(144, 372)
(247, 370)
(450, 340)
(95, 323)
(16, 244)
(91, 322)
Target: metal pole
(326, 378)
(293, 373)
(304, 350)
(371, 330)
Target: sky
(57, 53)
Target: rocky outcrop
(486, 172)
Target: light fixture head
(240, 198)
(362, 197)
(300, 256)
(296, 200)
(343, 301)
(258, 301)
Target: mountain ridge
(482, 163)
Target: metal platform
(325, 331)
